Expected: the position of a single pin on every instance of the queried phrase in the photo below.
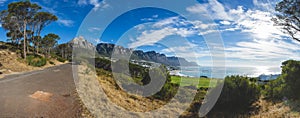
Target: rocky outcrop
(105, 49)
(80, 42)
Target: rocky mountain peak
(81, 42)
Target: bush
(36, 61)
(168, 89)
(61, 59)
(51, 62)
(238, 95)
(291, 78)
(274, 90)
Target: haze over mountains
(106, 50)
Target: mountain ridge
(106, 49)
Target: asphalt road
(16, 89)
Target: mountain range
(106, 50)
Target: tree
(40, 21)
(14, 37)
(289, 17)
(49, 41)
(18, 16)
(238, 95)
(290, 75)
(274, 90)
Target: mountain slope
(107, 50)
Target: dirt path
(57, 82)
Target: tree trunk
(24, 45)
(27, 46)
(62, 53)
(49, 53)
(39, 39)
(37, 48)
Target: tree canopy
(23, 21)
(288, 17)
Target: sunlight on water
(244, 71)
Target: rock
(107, 50)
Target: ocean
(219, 73)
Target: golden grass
(274, 110)
(103, 98)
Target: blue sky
(177, 28)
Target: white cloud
(259, 24)
(152, 37)
(96, 3)
(166, 22)
(267, 46)
(264, 50)
(168, 27)
(68, 23)
(94, 29)
(266, 5)
(224, 22)
(255, 22)
(198, 8)
(213, 8)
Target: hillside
(11, 61)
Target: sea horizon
(210, 72)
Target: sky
(187, 29)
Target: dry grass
(275, 110)
(103, 98)
(12, 63)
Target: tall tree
(49, 41)
(289, 17)
(14, 37)
(19, 15)
(63, 49)
(40, 21)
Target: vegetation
(197, 82)
(63, 51)
(36, 60)
(238, 95)
(48, 42)
(24, 22)
(287, 85)
(290, 75)
(288, 17)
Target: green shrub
(287, 84)
(238, 94)
(274, 90)
(61, 59)
(51, 62)
(291, 78)
(36, 61)
(168, 90)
